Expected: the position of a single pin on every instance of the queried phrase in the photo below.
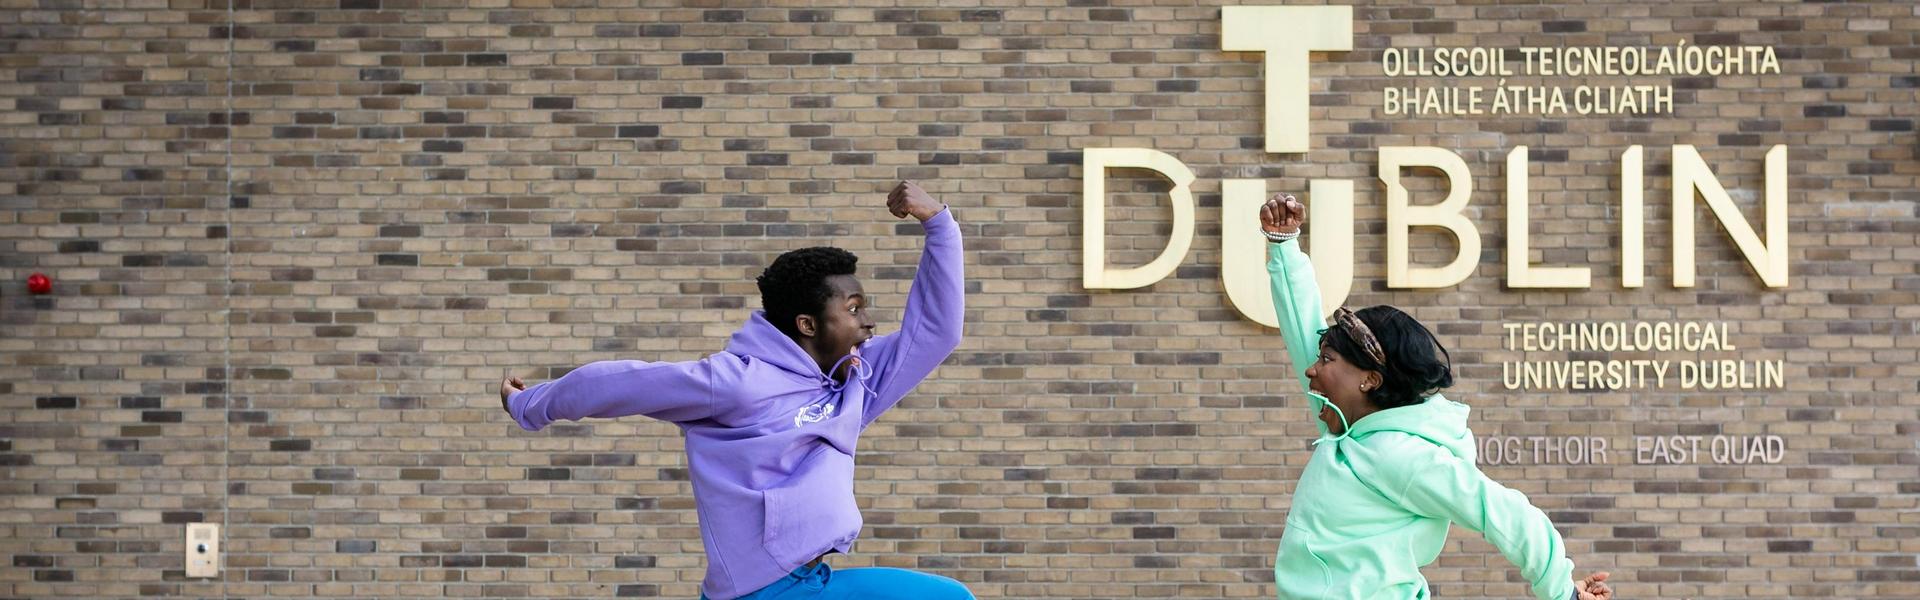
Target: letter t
(1286, 34)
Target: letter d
(1095, 163)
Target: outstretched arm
(1296, 294)
(1443, 486)
(936, 305)
(675, 392)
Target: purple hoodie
(770, 438)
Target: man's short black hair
(796, 284)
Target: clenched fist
(908, 199)
(509, 387)
(1282, 214)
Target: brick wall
(296, 242)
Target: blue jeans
(821, 582)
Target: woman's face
(1344, 385)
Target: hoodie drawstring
(821, 407)
(1345, 427)
(859, 372)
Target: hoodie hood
(760, 340)
(1437, 420)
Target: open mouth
(1326, 404)
(854, 353)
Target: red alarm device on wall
(39, 283)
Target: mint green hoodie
(1374, 504)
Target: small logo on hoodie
(813, 413)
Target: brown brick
(297, 245)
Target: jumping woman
(1394, 463)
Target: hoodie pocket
(1326, 573)
(1300, 572)
(811, 512)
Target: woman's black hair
(796, 284)
(1417, 365)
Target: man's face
(844, 322)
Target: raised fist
(908, 199)
(1282, 214)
